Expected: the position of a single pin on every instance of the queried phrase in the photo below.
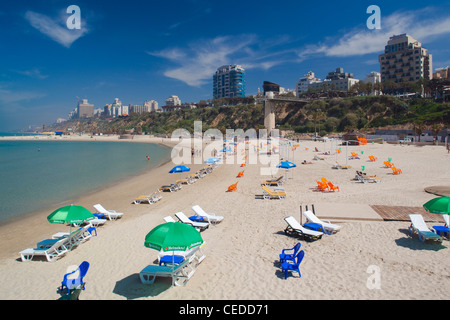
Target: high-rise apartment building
(229, 81)
(173, 101)
(373, 78)
(116, 109)
(85, 109)
(152, 105)
(149, 106)
(405, 60)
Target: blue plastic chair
(78, 282)
(286, 266)
(290, 256)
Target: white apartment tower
(303, 83)
(173, 101)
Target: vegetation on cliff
(326, 116)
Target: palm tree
(419, 128)
(317, 115)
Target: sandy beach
(242, 252)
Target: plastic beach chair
(333, 187)
(419, 227)
(198, 225)
(58, 249)
(110, 214)
(212, 218)
(269, 194)
(287, 266)
(180, 274)
(74, 279)
(321, 186)
(296, 229)
(274, 182)
(327, 227)
(233, 187)
(388, 164)
(289, 254)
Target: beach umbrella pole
(301, 214)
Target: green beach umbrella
(439, 205)
(173, 236)
(70, 214)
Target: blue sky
(139, 50)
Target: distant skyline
(142, 50)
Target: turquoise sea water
(35, 175)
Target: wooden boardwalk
(397, 213)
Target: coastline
(38, 218)
(242, 251)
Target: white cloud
(33, 73)
(196, 64)
(199, 61)
(54, 28)
(362, 41)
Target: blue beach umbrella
(225, 149)
(180, 169)
(287, 165)
(212, 160)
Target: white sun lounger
(111, 214)
(180, 274)
(198, 225)
(419, 227)
(58, 249)
(446, 220)
(169, 219)
(194, 255)
(295, 228)
(212, 218)
(81, 234)
(327, 226)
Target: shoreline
(242, 251)
(36, 218)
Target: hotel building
(303, 83)
(229, 81)
(335, 80)
(405, 60)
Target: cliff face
(333, 115)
